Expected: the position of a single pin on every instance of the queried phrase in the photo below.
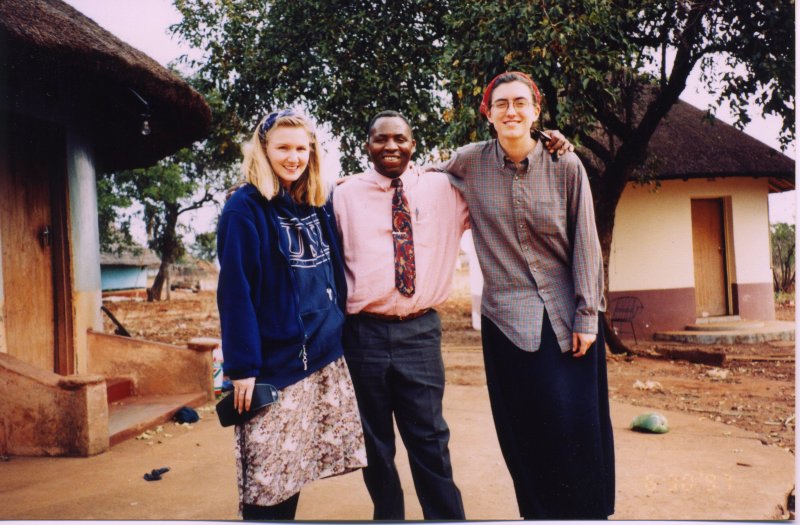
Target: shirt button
(516, 177)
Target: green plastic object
(652, 422)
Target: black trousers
(397, 370)
(552, 419)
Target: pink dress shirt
(439, 216)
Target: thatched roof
(133, 256)
(687, 145)
(85, 74)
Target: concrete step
(717, 319)
(771, 331)
(118, 388)
(131, 416)
(729, 326)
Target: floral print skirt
(312, 432)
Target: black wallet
(264, 394)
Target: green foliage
(783, 256)
(341, 60)
(205, 246)
(345, 60)
(115, 234)
(589, 59)
(569, 47)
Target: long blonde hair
(256, 169)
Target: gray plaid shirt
(536, 240)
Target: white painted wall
(652, 245)
(85, 231)
(85, 242)
(751, 244)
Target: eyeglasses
(520, 104)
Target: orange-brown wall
(156, 368)
(43, 414)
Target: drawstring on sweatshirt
(304, 356)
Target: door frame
(63, 329)
(728, 265)
(52, 137)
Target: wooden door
(32, 166)
(710, 270)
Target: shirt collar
(409, 177)
(501, 158)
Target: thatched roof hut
(688, 145)
(89, 73)
(130, 256)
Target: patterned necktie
(404, 267)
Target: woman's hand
(243, 393)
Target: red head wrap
(487, 94)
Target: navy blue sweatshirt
(281, 289)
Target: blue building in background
(126, 270)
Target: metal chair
(624, 310)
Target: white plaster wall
(85, 237)
(751, 245)
(652, 245)
(83, 213)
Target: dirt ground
(753, 389)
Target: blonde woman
(281, 296)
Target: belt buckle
(414, 315)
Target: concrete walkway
(738, 332)
(700, 470)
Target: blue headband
(270, 121)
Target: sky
(144, 25)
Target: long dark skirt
(552, 419)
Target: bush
(782, 237)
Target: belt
(395, 318)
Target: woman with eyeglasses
(281, 295)
(533, 225)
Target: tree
(186, 181)
(341, 60)
(783, 256)
(591, 61)
(113, 222)
(205, 246)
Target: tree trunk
(169, 245)
(154, 292)
(615, 344)
(605, 201)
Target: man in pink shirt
(400, 242)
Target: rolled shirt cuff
(585, 324)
